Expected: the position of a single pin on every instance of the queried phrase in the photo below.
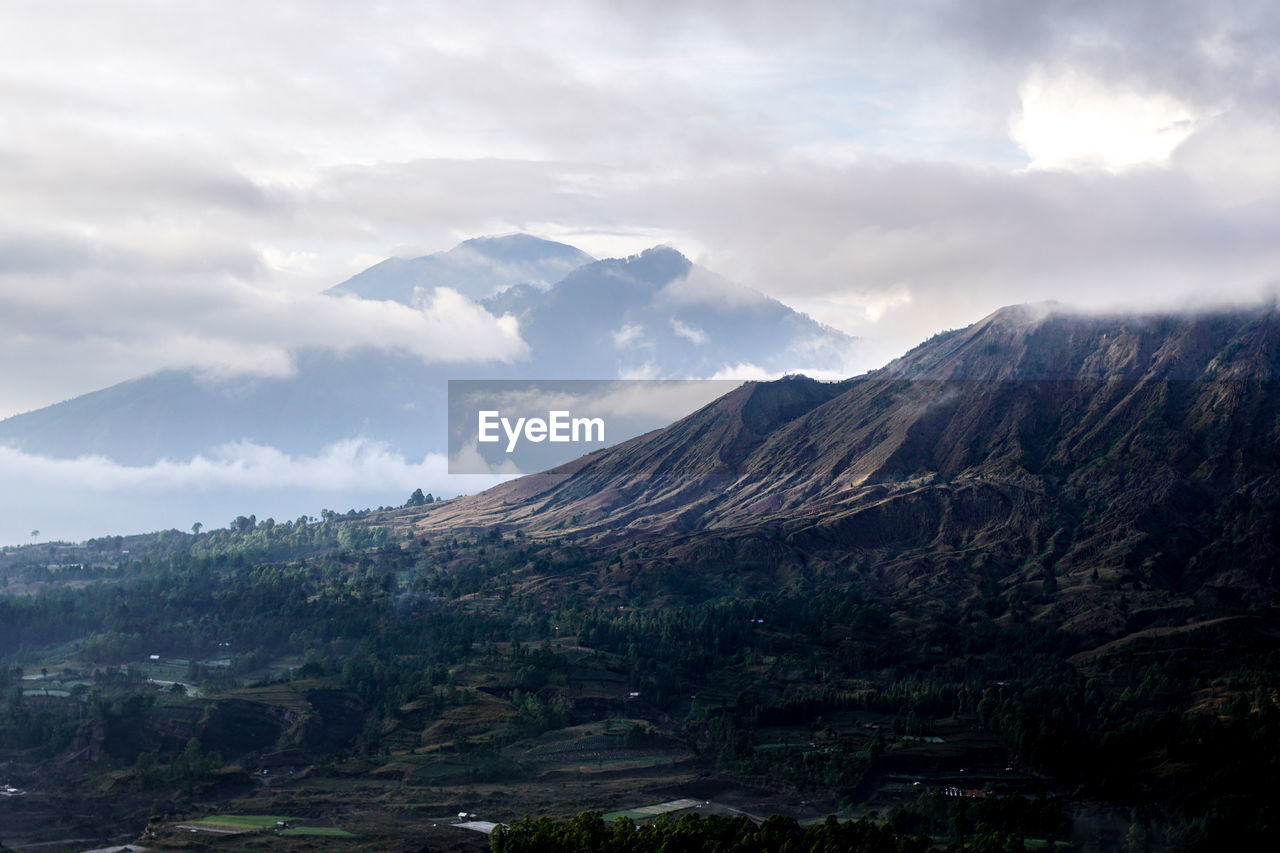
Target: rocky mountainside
(1084, 468)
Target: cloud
(180, 182)
(1070, 121)
(628, 334)
(343, 465)
(747, 372)
(648, 370)
(87, 332)
(702, 286)
(692, 334)
(1231, 158)
(896, 250)
(1202, 50)
(91, 496)
(468, 461)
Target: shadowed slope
(1041, 443)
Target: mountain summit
(477, 268)
(659, 315)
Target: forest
(822, 691)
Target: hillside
(1036, 446)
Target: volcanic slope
(1036, 447)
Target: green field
(243, 821)
(610, 817)
(327, 831)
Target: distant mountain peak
(662, 251)
(658, 265)
(477, 268)
(519, 247)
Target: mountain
(477, 268)
(1021, 462)
(177, 414)
(650, 315)
(657, 314)
(376, 394)
(612, 318)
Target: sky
(180, 180)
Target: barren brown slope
(663, 480)
(1037, 442)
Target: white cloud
(692, 334)
(91, 496)
(746, 371)
(648, 370)
(872, 305)
(702, 286)
(1071, 120)
(1232, 158)
(628, 334)
(468, 462)
(344, 465)
(85, 334)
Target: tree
(34, 534)
(416, 499)
(195, 528)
